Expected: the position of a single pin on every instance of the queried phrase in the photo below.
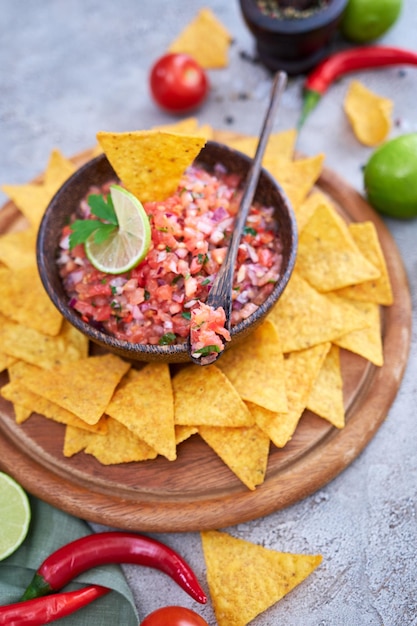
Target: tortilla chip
(245, 579)
(205, 39)
(326, 395)
(76, 440)
(31, 199)
(144, 403)
(366, 342)
(6, 361)
(280, 147)
(150, 163)
(28, 344)
(203, 396)
(378, 290)
(119, 445)
(188, 126)
(24, 300)
(304, 212)
(368, 114)
(182, 433)
(244, 450)
(21, 412)
(255, 368)
(58, 170)
(18, 249)
(29, 402)
(304, 317)
(328, 257)
(85, 389)
(297, 177)
(301, 371)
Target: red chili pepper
(76, 557)
(359, 58)
(41, 611)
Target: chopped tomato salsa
(154, 302)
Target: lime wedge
(14, 515)
(129, 243)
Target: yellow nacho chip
(297, 177)
(188, 126)
(301, 371)
(256, 368)
(245, 579)
(328, 257)
(205, 39)
(75, 440)
(326, 396)
(18, 249)
(378, 290)
(366, 342)
(280, 147)
(24, 300)
(150, 163)
(28, 344)
(307, 208)
(144, 403)
(33, 198)
(58, 170)
(368, 114)
(182, 433)
(84, 389)
(28, 402)
(6, 361)
(244, 450)
(118, 445)
(304, 317)
(203, 396)
(21, 412)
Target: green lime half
(390, 177)
(367, 20)
(14, 515)
(129, 243)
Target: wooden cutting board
(197, 491)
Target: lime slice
(14, 515)
(129, 243)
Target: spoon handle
(221, 291)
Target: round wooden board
(197, 491)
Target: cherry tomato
(178, 83)
(173, 616)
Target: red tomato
(173, 616)
(178, 83)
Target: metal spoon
(221, 291)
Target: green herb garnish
(167, 339)
(100, 228)
(248, 230)
(207, 350)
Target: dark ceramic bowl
(294, 45)
(99, 171)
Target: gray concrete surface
(71, 67)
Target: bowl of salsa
(144, 314)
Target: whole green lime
(390, 177)
(366, 20)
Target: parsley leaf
(102, 209)
(101, 228)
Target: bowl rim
(318, 20)
(136, 349)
